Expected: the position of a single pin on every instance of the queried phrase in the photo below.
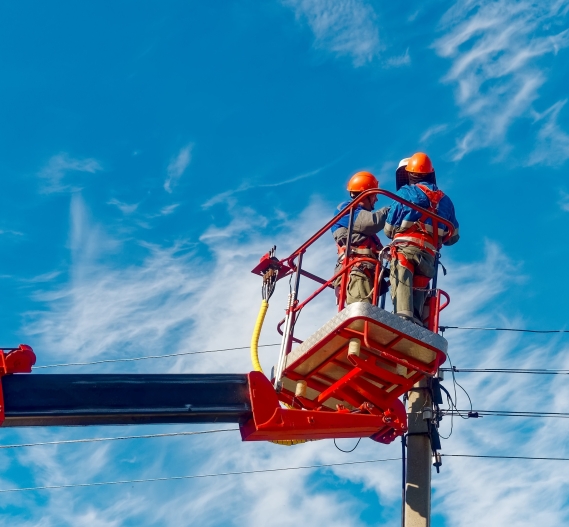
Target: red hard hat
(362, 181)
(420, 163)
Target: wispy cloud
(55, 174)
(178, 166)
(552, 145)
(564, 201)
(495, 48)
(400, 60)
(342, 27)
(433, 130)
(169, 209)
(224, 196)
(45, 277)
(125, 208)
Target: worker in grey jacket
(364, 242)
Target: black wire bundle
(270, 276)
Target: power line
(509, 457)
(248, 472)
(492, 413)
(444, 328)
(504, 413)
(148, 357)
(507, 370)
(99, 439)
(195, 476)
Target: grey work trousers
(409, 301)
(359, 288)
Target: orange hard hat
(361, 181)
(420, 163)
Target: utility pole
(417, 508)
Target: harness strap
(370, 247)
(434, 196)
(419, 234)
(419, 281)
(401, 259)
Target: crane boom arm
(117, 399)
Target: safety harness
(420, 235)
(371, 248)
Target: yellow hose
(256, 335)
(257, 365)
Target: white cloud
(125, 208)
(54, 174)
(433, 130)
(495, 48)
(224, 197)
(564, 201)
(178, 166)
(552, 146)
(342, 27)
(400, 60)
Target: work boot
(415, 320)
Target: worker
(364, 240)
(414, 247)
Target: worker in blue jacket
(364, 240)
(414, 245)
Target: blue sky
(150, 153)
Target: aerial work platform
(345, 380)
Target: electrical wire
(148, 357)
(508, 457)
(347, 451)
(507, 370)
(507, 413)
(248, 472)
(451, 412)
(196, 476)
(267, 291)
(444, 328)
(119, 438)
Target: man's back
(402, 218)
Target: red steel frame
(375, 407)
(17, 360)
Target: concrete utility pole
(418, 486)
